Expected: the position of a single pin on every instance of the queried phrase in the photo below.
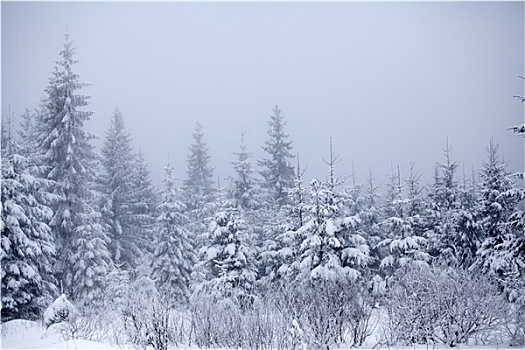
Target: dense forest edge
(267, 260)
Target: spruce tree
(468, 239)
(117, 186)
(28, 250)
(298, 197)
(243, 184)
(332, 246)
(403, 245)
(143, 205)
(27, 134)
(277, 171)
(370, 216)
(442, 216)
(68, 158)
(280, 250)
(229, 256)
(198, 185)
(198, 189)
(501, 253)
(174, 256)
(90, 258)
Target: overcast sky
(388, 81)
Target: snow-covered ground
(23, 334)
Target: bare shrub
(324, 313)
(436, 304)
(515, 327)
(205, 321)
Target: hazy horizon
(389, 82)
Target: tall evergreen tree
(68, 158)
(469, 235)
(198, 185)
(174, 255)
(90, 258)
(28, 250)
(332, 246)
(244, 191)
(229, 255)
(117, 185)
(298, 198)
(353, 195)
(277, 171)
(501, 253)
(280, 249)
(444, 211)
(403, 244)
(143, 203)
(27, 135)
(370, 217)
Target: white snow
(59, 307)
(330, 228)
(230, 249)
(23, 334)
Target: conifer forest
(92, 248)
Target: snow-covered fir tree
(280, 249)
(229, 256)
(353, 195)
(199, 192)
(500, 254)
(28, 249)
(332, 246)
(68, 158)
(27, 134)
(415, 201)
(443, 211)
(277, 170)
(246, 195)
(370, 216)
(174, 256)
(392, 195)
(469, 235)
(244, 191)
(143, 205)
(298, 197)
(403, 245)
(90, 258)
(198, 185)
(117, 186)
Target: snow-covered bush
(82, 322)
(59, 311)
(442, 305)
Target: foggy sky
(389, 82)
